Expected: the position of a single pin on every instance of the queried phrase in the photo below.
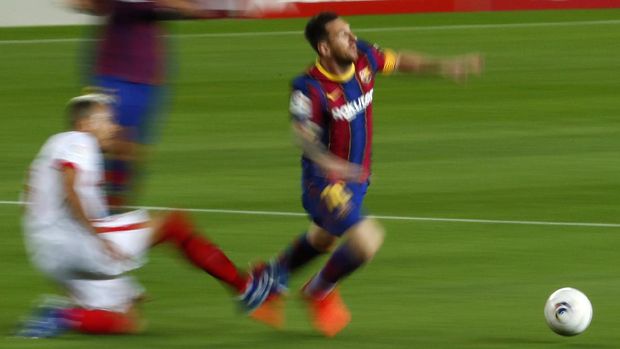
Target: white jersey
(63, 248)
(46, 196)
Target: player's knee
(374, 242)
(367, 239)
(124, 150)
(321, 240)
(173, 226)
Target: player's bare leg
(328, 312)
(123, 163)
(300, 252)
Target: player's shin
(328, 313)
(118, 175)
(299, 253)
(340, 265)
(102, 321)
(364, 240)
(178, 230)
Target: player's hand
(340, 169)
(460, 68)
(258, 8)
(113, 250)
(92, 7)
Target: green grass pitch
(536, 138)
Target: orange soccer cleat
(271, 312)
(329, 315)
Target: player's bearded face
(342, 42)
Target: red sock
(201, 252)
(100, 321)
(176, 228)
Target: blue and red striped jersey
(341, 105)
(132, 43)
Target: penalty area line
(382, 217)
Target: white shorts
(118, 294)
(68, 253)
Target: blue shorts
(137, 107)
(334, 207)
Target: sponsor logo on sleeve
(300, 105)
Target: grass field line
(359, 30)
(393, 218)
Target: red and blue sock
(341, 264)
(299, 253)
(117, 175)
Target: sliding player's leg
(251, 288)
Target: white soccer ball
(568, 311)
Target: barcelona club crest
(365, 75)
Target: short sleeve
(75, 154)
(381, 60)
(300, 106)
(306, 102)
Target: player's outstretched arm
(457, 68)
(307, 136)
(91, 7)
(187, 8)
(207, 9)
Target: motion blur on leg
(74, 241)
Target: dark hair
(315, 29)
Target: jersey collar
(346, 76)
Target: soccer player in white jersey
(74, 242)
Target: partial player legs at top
(138, 109)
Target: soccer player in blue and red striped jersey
(331, 109)
(130, 61)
